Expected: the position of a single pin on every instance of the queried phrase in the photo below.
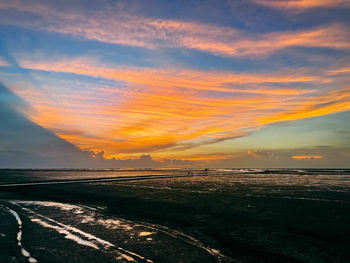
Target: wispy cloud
(152, 33)
(302, 4)
(170, 77)
(148, 110)
(3, 63)
(256, 153)
(212, 157)
(331, 102)
(307, 157)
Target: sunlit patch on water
(83, 238)
(144, 234)
(66, 232)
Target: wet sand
(243, 217)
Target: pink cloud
(302, 4)
(117, 28)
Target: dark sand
(264, 217)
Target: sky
(195, 83)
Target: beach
(223, 215)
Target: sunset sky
(231, 83)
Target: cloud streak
(149, 110)
(124, 29)
(3, 63)
(307, 157)
(302, 4)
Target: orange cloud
(338, 71)
(168, 78)
(303, 4)
(307, 157)
(334, 36)
(155, 110)
(256, 154)
(212, 157)
(333, 101)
